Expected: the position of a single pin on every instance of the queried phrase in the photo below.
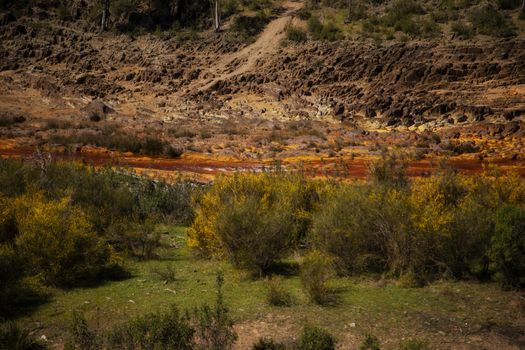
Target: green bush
(170, 330)
(81, 336)
(57, 242)
(489, 21)
(320, 31)
(414, 344)
(138, 240)
(316, 269)
(462, 30)
(295, 34)
(370, 343)
(268, 344)
(389, 170)
(248, 27)
(507, 252)
(304, 14)
(252, 219)
(12, 337)
(214, 325)
(315, 338)
(276, 294)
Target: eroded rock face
(397, 85)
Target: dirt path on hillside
(246, 59)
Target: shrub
(489, 21)
(267, 344)
(304, 14)
(316, 269)
(214, 326)
(81, 336)
(247, 27)
(12, 337)
(166, 273)
(138, 240)
(58, 243)
(315, 338)
(462, 30)
(389, 170)
(154, 331)
(507, 252)
(414, 344)
(253, 219)
(295, 34)
(276, 294)
(370, 343)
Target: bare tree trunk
(523, 6)
(217, 15)
(105, 15)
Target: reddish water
(336, 167)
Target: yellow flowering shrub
(252, 219)
(58, 243)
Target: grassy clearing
(441, 312)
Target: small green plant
(315, 338)
(214, 326)
(169, 330)
(320, 31)
(296, 35)
(370, 342)
(276, 294)
(316, 269)
(166, 273)
(81, 336)
(268, 344)
(414, 344)
(462, 30)
(12, 337)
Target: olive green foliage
(489, 21)
(507, 253)
(66, 225)
(214, 326)
(295, 34)
(13, 337)
(246, 28)
(316, 269)
(58, 243)
(206, 328)
(253, 220)
(414, 344)
(370, 343)
(443, 226)
(462, 29)
(169, 330)
(267, 344)
(315, 338)
(276, 294)
(327, 31)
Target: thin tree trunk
(523, 6)
(105, 15)
(217, 15)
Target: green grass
(375, 306)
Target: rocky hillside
(51, 68)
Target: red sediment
(331, 167)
